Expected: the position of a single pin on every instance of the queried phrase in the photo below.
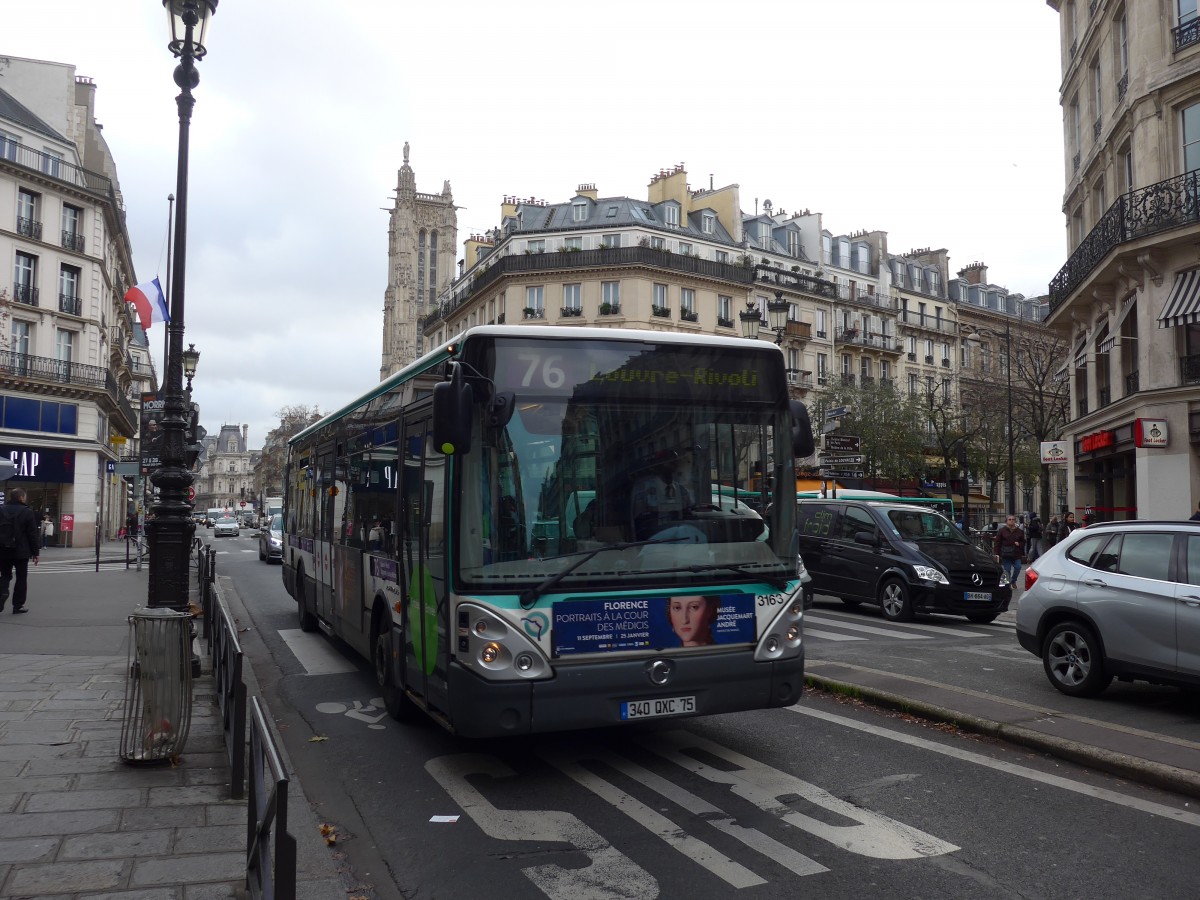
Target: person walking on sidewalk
(1010, 547)
(1034, 532)
(19, 542)
(47, 531)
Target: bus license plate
(978, 596)
(649, 709)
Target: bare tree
(889, 424)
(1040, 400)
(292, 420)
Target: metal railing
(60, 170)
(1167, 205)
(26, 293)
(270, 849)
(70, 303)
(30, 228)
(231, 696)
(1186, 34)
(72, 241)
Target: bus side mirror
(452, 404)
(803, 444)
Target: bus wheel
(393, 698)
(308, 622)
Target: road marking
(315, 653)
(831, 635)
(1066, 784)
(693, 848)
(875, 835)
(869, 629)
(610, 874)
(936, 629)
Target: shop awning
(1183, 303)
(1079, 356)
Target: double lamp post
(171, 530)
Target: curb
(1181, 781)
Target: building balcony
(610, 309)
(72, 241)
(30, 228)
(662, 312)
(1186, 34)
(927, 322)
(69, 379)
(687, 315)
(1165, 206)
(534, 312)
(722, 322)
(25, 293)
(69, 303)
(861, 297)
(59, 170)
(801, 380)
(568, 312)
(801, 331)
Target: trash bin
(158, 695)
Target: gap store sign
(40, 464)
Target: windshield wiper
(529, 596)
(772, 580)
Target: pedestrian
(18, 544)
(1009, 547)
(47, 531)
(1067, 525)
(1033, 534)
(1051, 532)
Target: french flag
(150, 303)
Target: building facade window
(687, 300)
(610, 292)
(433, 248)
(535, 297)
(72, 223)
(658, 243)
(725, 307)
(671, 215)
(660, 296)
(685, 248)
(822, 368)
(722, 256)
(25, 278)
(572, 243)
(536, 246)
(420, 265)
(708, 223)
(611, 240)
(819, 319)
(9, 145)
(28, 223)
(51, 162)
(793, 239)
(1191, 138)
(571, 294)
(579, 212)
(69, 278)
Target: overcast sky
(936, 121)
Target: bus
(518, 530)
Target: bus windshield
(639, 456)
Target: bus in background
(520, 530)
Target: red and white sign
(1150, 432)
(191, 493)
(1055, 453)
(243, 504)
(67, 523)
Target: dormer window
(611, 213)
(579, 212)
(793, 239)
(764, 233)
(672, 216)
(708, 223)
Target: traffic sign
(836, 412)
(191, 493)
(841, 473)
(842, 443)
(830, 459)
(242, 504)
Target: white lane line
(315, 653)
(694, 849)
(869, 629)
(936, 629)
(1148, 806)
(831, 635)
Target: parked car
(905, 558)
(270, 540)
(1115, 600)
(225, 525)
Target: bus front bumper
(592, 695)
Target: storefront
(1106, 469)
(48, 476)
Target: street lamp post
(1011, 486)
(171, 530)
(777, 317)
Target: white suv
(1116, 599)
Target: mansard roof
(15, 111)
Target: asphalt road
(830, 797)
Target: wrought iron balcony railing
(1103, 397)
(69, 303)
(688, 315)
(1122, 86)
(570, 311)
(30, 228)
(534, 312)
(1189, 369)
(1131, 383)
(722, 322)
(61, 170)
(1186, 34)
(1167, 205)
(72, 240)
(25, 293)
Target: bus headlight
(784, 638)
(496, 649)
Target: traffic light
(129, 498)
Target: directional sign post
(836, 412)
(842, 443)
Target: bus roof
(436, 357)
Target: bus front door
(423, 564)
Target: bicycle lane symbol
(371, 713)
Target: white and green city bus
(519, 530)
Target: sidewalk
(77, 822)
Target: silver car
(1116, 599)
(225, 525)
(270, 540)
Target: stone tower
(422, 241)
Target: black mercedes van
(904, 557)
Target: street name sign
(832, 459)
(843, 443)
(841, 473)
(836, 412)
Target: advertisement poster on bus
(641, 623)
